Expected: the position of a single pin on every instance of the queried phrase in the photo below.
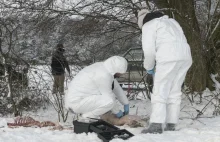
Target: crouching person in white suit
(167, 58)
(94, 89)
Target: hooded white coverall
(90, 92)
(165, 45)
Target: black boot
(170, 127)
(154, 128)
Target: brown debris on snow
(30, 122)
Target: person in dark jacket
(58, 65)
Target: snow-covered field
(188, 130)
(204, 129)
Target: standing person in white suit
(167, 60)
(94, 89)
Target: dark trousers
(58, 85)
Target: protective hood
(141, 15)
(151, 16)
(116, 64)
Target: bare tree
(94, 30)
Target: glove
(126, 109)
(119, 114)
(151, 72)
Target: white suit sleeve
(149, 44)
(119, 93)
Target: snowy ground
(188, 130)
(204, 129)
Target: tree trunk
(7, 77)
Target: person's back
(83, 83)
(170, 43)
(169, 31)
(58, 63)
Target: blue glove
(126, 109)
(151, 72)
(119, 114)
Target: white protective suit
(165, 45)
(90, 92)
